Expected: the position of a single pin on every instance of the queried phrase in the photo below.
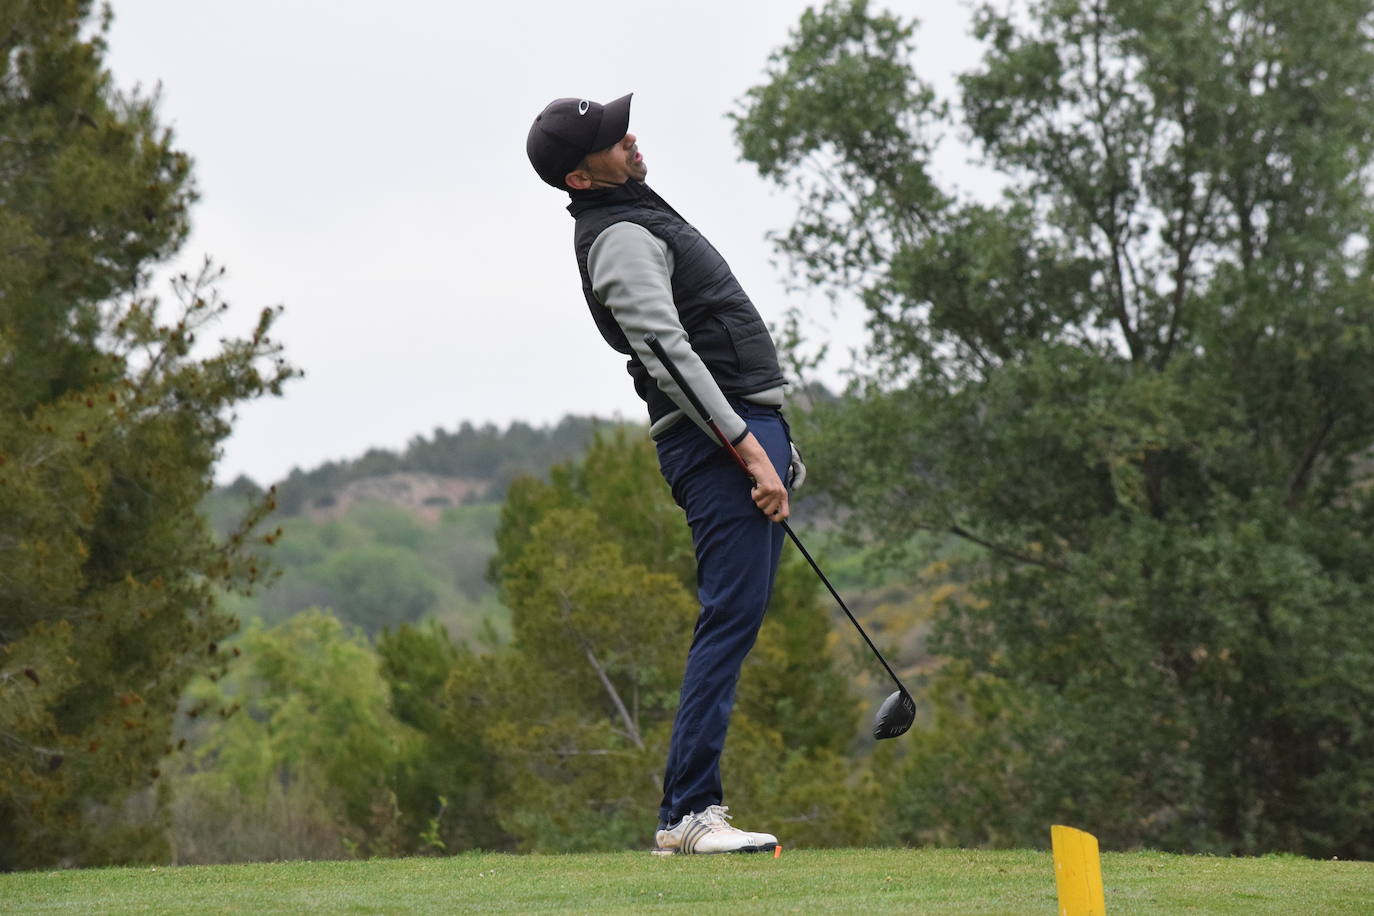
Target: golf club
(898, 711)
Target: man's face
(616, 164)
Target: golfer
(646, 269)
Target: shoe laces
(715, 817)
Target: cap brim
(615, 122)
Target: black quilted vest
(722, 324)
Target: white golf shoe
(708, 832)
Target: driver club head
(894, 716)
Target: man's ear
(578, 180)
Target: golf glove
(796, 472)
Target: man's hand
(769, 493)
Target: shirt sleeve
(631, 272)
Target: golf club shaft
(653, 344)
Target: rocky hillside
(423, 495)
(442, 470)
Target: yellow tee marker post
(1077, 872)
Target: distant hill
(419, 493)
(396, 537)
(472, 464)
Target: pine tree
(110, 423)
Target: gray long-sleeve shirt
(631, 271)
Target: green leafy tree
(590, 686)
(1139, 381)
(446, 789)
(109, 428)
(376, 587)
(619, 479)
(299, 754)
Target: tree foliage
(1138, 380)
(378, 566)
(446, 790)
(300, 733)
(109, 428)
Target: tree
(591, 686)
(1138, 380)
(109, 429)
(446, 789)
(301, 753)
(619, 477)
(377, 587)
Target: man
(645, 269)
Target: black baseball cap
(568, 129)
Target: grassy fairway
(845, 881)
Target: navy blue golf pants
(737, 551)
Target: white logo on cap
(583, 106)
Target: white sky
(363, 164)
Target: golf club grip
(651, 341)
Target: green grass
(808, 881)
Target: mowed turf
(802, 881)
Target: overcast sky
(362, 163)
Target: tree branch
(967, 535)
(1108, 221)
(630, 729)
(1303, 472)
